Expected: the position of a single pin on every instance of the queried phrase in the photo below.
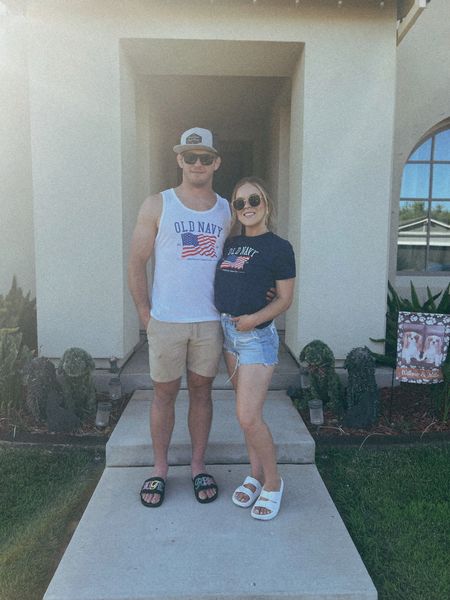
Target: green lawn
(41, 494)
(395, 503)
(396, 506)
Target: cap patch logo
(194, 138)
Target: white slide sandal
(245, 490)
(269, 500)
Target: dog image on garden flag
(422, 346)
(412, 346)
(433, 350)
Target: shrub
(17, 310)
(18, 333)
(324, 382)
(395, 304)
(441, 392)
(75, 368)
(13, 356)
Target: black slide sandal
(203, 482)
(153, 485)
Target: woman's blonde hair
(262, 188)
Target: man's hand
(245, 322)
(271, 294)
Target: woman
(252, 263)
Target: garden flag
(422, 346)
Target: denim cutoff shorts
(258, 346)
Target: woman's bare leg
(256, 466)
(251, 392)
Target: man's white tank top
(187, 247)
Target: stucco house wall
(423, 101)
(100, 142)
(16, 209)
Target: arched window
(424, 223)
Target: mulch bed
(24, 429)
(407, 414)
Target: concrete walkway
(186, 550)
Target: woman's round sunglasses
(190, 158)
(254, 200)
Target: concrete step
(135, 374)
(188, 551)
(129, 444)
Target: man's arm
(142, 246)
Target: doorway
(240, 90)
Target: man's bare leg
(199, 421)
(162, 420)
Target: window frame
(440, 128)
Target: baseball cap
(195, 139)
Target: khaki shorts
(174, 346)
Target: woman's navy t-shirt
(249, 267)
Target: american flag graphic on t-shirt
(234, 262)
(198, 244)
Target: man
(185, 229)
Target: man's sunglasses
(190, 158)
(254, 200)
